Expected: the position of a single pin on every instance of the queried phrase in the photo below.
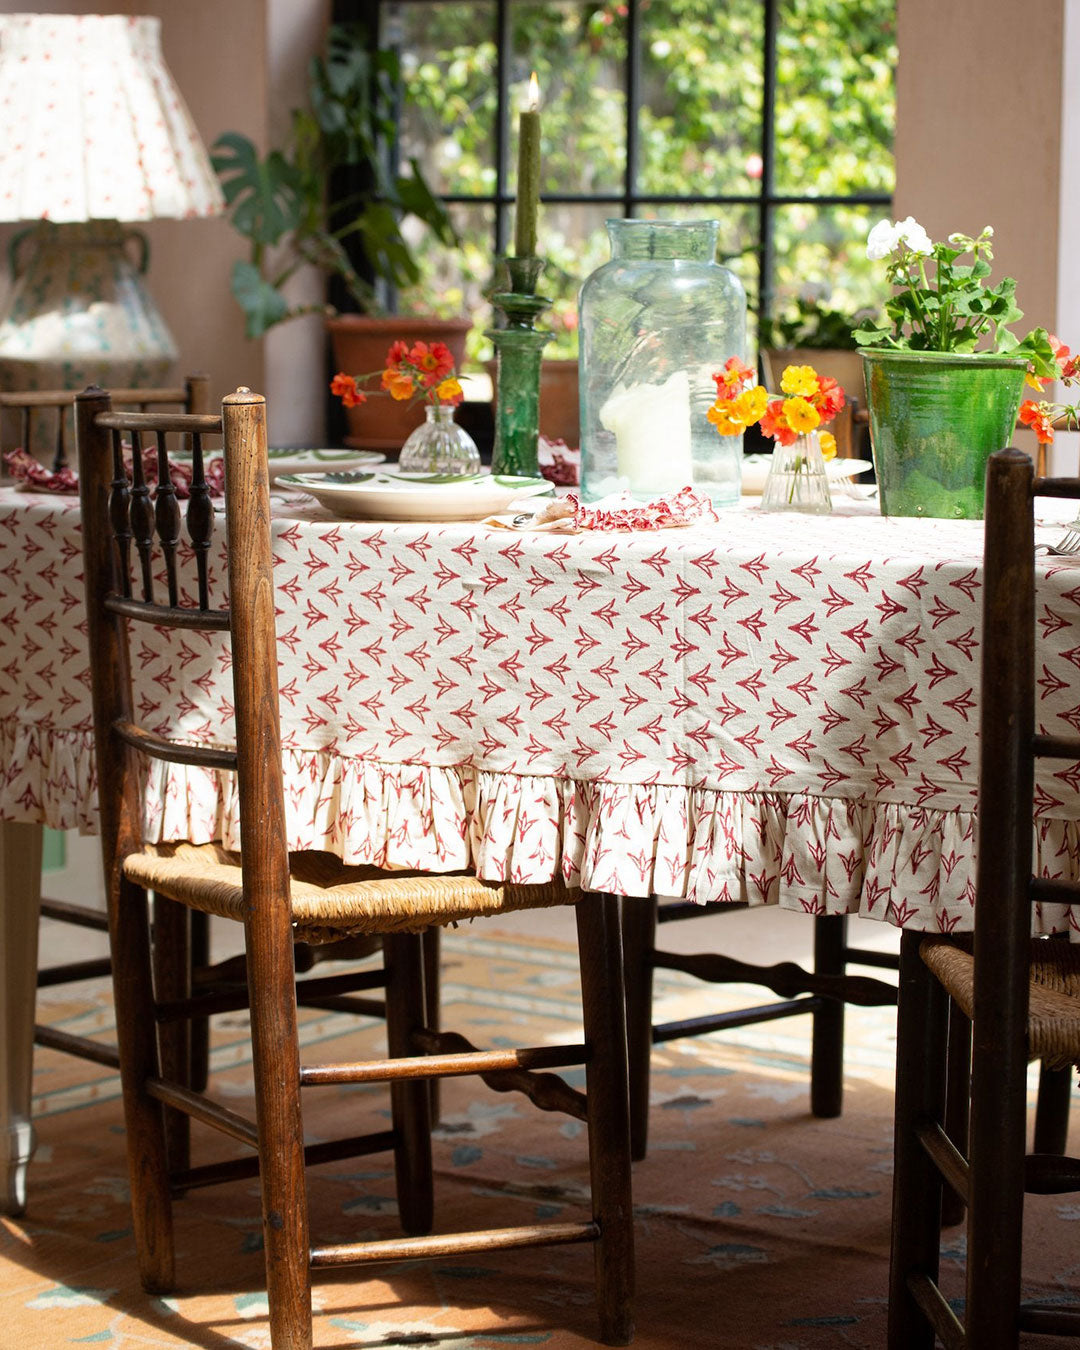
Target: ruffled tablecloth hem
(906, 865)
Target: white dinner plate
(755, 469)
(414, 496)
(290, 460)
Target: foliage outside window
(795, 186)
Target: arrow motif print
(737, 711)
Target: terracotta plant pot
(560, 411)
(359, 343)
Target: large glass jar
(656, 323)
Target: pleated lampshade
(92, 125)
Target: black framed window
(774, 117)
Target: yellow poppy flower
(801, 416)
(827, 441)
(799, 380)
(750, 406)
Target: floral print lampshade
(94, 128)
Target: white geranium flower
(881, 240)
(911, 233)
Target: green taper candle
(528, 180)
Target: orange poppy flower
(399, 383)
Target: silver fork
(1069, 545)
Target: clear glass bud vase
(797, 479)
(439, 445)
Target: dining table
(770, 708)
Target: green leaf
(264, 194)
(263, 304)
(1036, 347)
(417, 198)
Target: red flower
(732, 378)
(433, 363)
(829, 398)
(399, 351)
(1034, 415)
(346, 388)
(775, 424)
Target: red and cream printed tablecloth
(770, 708)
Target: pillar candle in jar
(528, 179)
(651, 426)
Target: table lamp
(93, 132)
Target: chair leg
(432, 946)
(957, 1105)
(601, 959)
(275, 1050)
(827, 1043)
(921, 1047)
(172, 980)
(136, 1031)
(1052, 1110)
(410, 1101)
(639, 942)
(1052, 1106)
(200, 1026)
(997, 1145)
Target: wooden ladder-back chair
(1021, 994)
(279, 897)
(46, 417)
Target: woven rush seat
(331, 900)
(1053, 999)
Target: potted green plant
(945, 375)
(279, 203)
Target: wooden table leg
(20, 900)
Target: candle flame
(534, 93)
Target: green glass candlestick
(518, 349)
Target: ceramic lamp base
(79, 314)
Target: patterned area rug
(759, 1227)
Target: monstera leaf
(264, 196)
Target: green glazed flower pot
(935, 419)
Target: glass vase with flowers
(797, 478)
(423, 373)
